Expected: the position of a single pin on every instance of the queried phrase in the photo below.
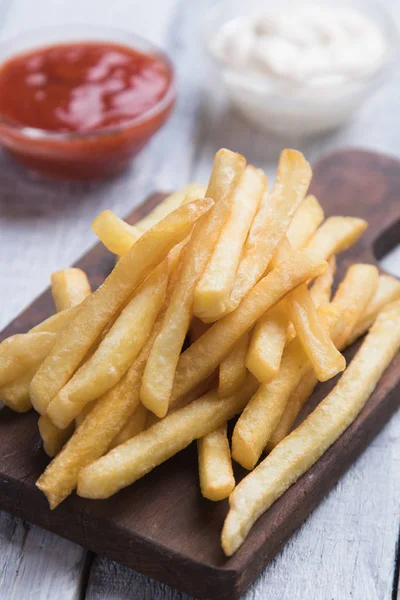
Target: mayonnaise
(303, 70)
(309, 45)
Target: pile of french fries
(220, 304)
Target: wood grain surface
(146, 527)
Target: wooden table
(348, 547)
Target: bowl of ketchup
(79, 102)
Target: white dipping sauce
(308, 52)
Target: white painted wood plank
(35, 564)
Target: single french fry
(17, 357)
(116, 351)
(69, 288)
(214, 287)
(306, 444)
(388, 291)
(202, 357)
(271, 222)
(232, 370)
(131, 461)
(321, 289)
(267, 344)
(159, 374)
(116, 235)
(53, 438)
(215, 466)
(335, 235)
(353, 297)
(15, 394)
(192, 191)
(134, 425)
(98, 308)
(306, 220)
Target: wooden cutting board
(161, 526)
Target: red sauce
(84, 88)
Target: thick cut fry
(267, 344)
(115, 353)
(192, 191)
(302, 448)
(214, 288)
(160, 370)
(134, 425)
(354, 296)
(306, 220)
(16, 357)
(335, 235)
(69, 288)
(388, 291)
(200, 360)
(321, 289)
(116, 235)
(271, 222)
(55, 323)
(15, 394)
(129, 462)
(53, 438)
(232, 370)
(94, 314)
(215, 465)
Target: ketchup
(95, 90)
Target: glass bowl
(97, 154)
(296, 110)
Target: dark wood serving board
(161, 526)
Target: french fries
(274, 329)
(215, 466)
(302, 448)
(134, 425)
(213, 290)
(16, 357)
(159, 374)
(267, 344)
(131, 461)
(15, 394)
(215, 282)
(119, 237)
(53, 438)
(116, 351)
(306, 220)
(321, 289)
(265, 410)
(232, 370)
(130, 271)
(357, 297)
(69, 288)
(200, 360)
(335, 235)
(271, 222)
(388, 291)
